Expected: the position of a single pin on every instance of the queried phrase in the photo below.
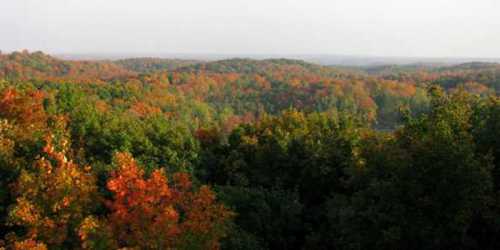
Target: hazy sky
(432, 28)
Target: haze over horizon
(386, 28)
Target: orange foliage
(26, 110)
(142, 109)
(102, 106)
(52, 197)
(474, 87)
(29, 245)
(399, 89)
(148, 213)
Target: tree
(423, 188)
(53, 197)
(151, 214)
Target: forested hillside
(148, 65)
(152, 153)
(25, 66)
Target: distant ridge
(248, 65)
(323, 59)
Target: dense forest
(150, 153)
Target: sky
(390, 28)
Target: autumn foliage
(119, 155)
(52, 197)
(56, 198)
(150, 213)
(24, 109)
(57, 201)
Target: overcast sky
(421, 28)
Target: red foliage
(148, 213)
(23, 109)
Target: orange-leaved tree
(150, 213)
(25, 110)
(53, 198)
